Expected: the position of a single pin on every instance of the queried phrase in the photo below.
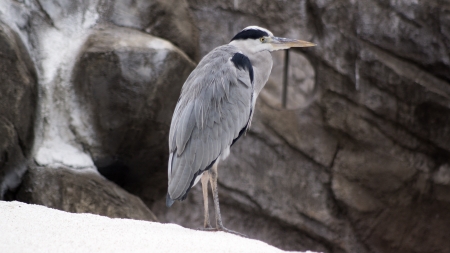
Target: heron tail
(169, 201)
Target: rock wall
(359, 160)
(89, 87)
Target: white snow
(33, 228)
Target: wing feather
(184, 128)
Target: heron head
(255, 38)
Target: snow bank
(34, 228)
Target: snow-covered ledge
(34, 228)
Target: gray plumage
(210, 113)
(215, 108)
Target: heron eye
(262, 39)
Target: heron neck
(261, 63)
(262, 66)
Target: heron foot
(224, 229)
(207, 228)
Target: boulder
(170, 20)
(18, 98)
(80, 191)
(127, 83)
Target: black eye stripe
(250, 34)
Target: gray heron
(215, 109)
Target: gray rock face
(359, 162)
(18, 96)
(80, 191)
(107, 90)
(170, 20)
(125, 80)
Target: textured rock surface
(80, 191)
(360, 161)
(170, 20)
(18, 96)
(90, 87)
(125, 82)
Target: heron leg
(215, 192)
(205, 179)
(219, 225)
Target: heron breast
(225, 153)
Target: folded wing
(213, 111)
